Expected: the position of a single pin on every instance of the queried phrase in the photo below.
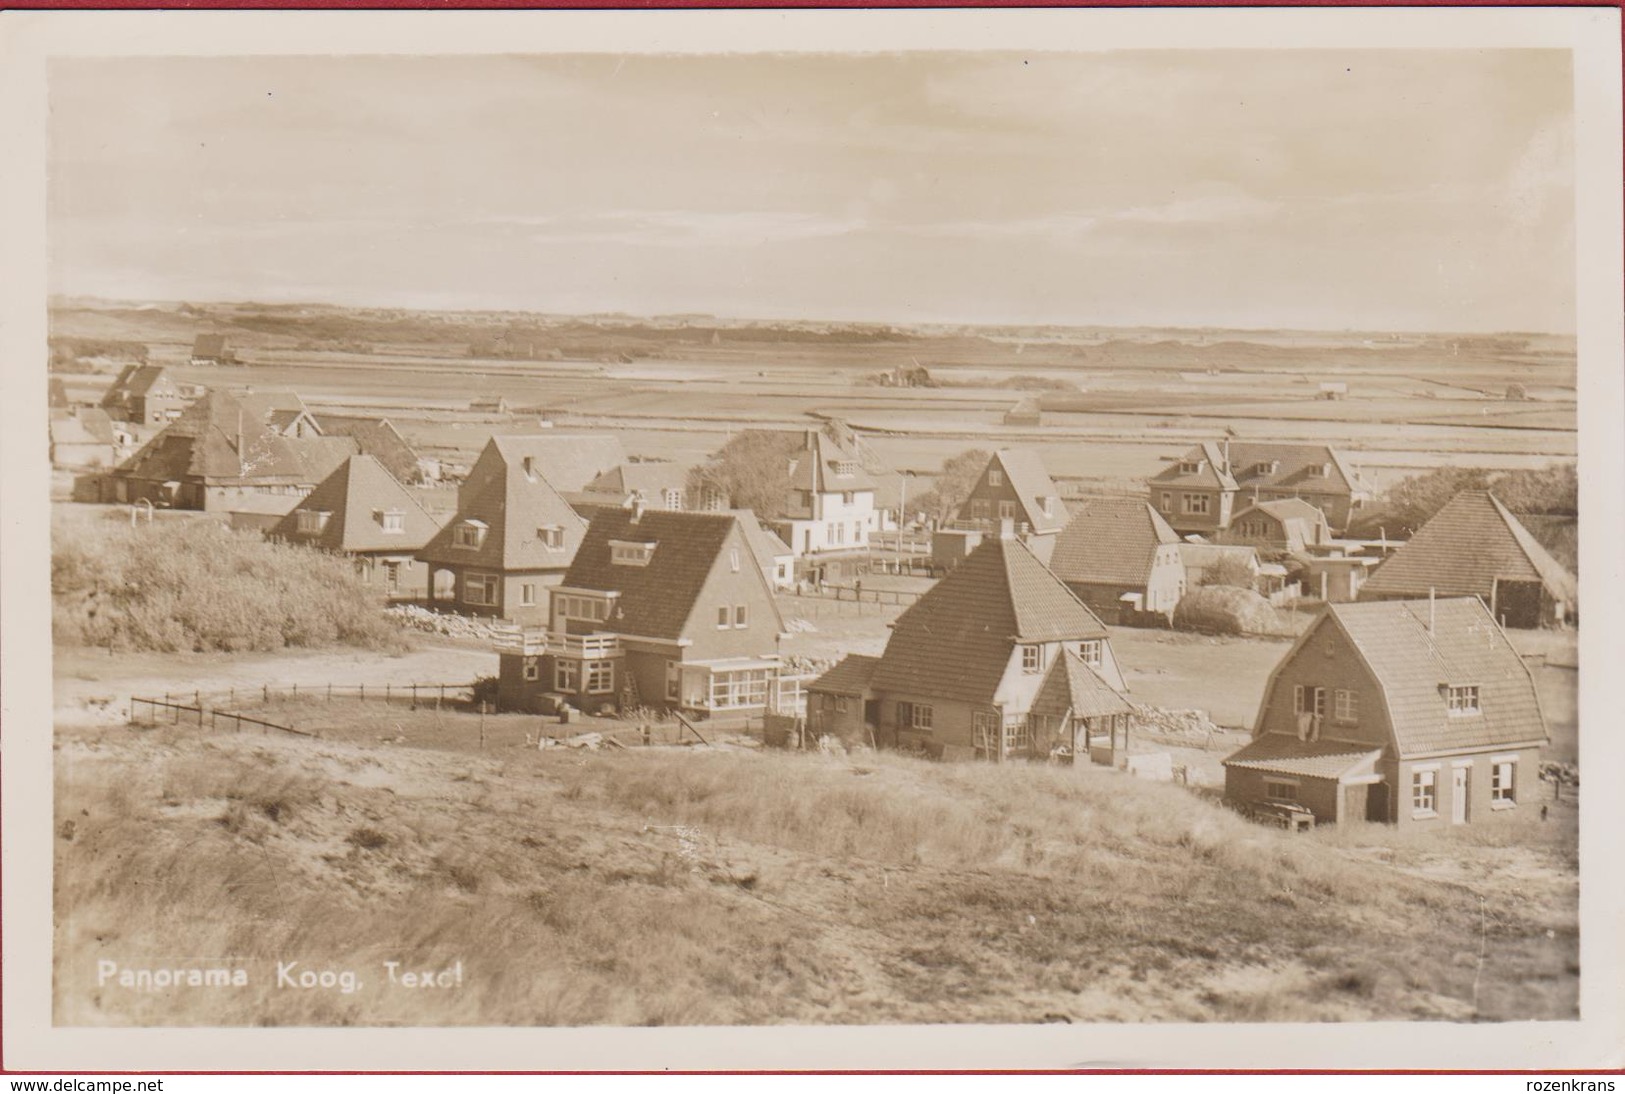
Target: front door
(1458, 794)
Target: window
(1191, 467)
(600, 677)
(722, 618)
(733, 560)
(1281, 790)
(1196, 504)
(984, 730)
(740, 688)
(623, 553)
(1032, 659)
(840, 704)
(995, 477)
(1007, 510)
(567, 676)
(1464, 699)
(848, 497)
(1297, 699)
(392, 576)
(589, 608)
(674, 680)
(1346, 705)
(394, 521)
(527, 593)
(312, 521)
(1503, 783)
(845, 469)
(919, 716)
(1049, 506)
(673, 498)
(533, 668)
(1090, 650)
(482, 589)
(1167, 502)
(1424, 793)
(978, 509)
(470, 534)
(552, 536)
(741, 617)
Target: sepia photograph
(830, 533)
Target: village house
(147, 395)
(773, 555)
(569, 461)
(210, 349)
(224, 448)
(1475, 547)
(965, 662)
(361, 510)
(841, 702)
(84, 437)
(829, 512)
(512, 539)
(1015, 487)
(658, 484)
(378, 438)
(660, 609)
(1201, 491)
(1416, 712)
(1121, 558)
(1286, 526)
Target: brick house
(1280, 527)
(1475, 547)
(1414, 712)
(362, 511)
(147, 395)
(965, 662)
(1016, 487)
(511, 540)
(1121, 558)
(660, 609)
(1201, 491)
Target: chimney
(637, 507)
(1227, 452)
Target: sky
(1395, 189)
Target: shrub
(1224, 609)
(1229, 570)
(197, 585)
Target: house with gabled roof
(1016, 487)
(281, 410)
(511, 540)
(1284, 526)
(1474, 546)
(222, 448)
(147, 395)
(210, 349)
(659, 484)
(773, 555)
(378, 438)
(841, 702)
(964, 663)
(361, 510)
(1120, 557)
(1201, 491)
(569, 461)
(1076, 713)
(829, 509)
(1414, 712)
(659, 609)
(83, 437)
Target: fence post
(414, 696)
(267, 692)
(329, 692)
(363, 692)
(386, 693)
(296, 691)
(441, 697)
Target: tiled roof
(203, 442)
(569, 461)
(1284, 754)
(956, 640)
(1414, 666)
(134, 380)
(1025, 472)
(357, 495)
(1213, 473)
(377, 438)
(209, 345)
(650, 478)
(817, 464)
(515, 507)
(84, 425)
(1300, 523)
(1300, 466)
(1071, 685)
(1110, 541)
(658, 599)
(850, 676)
(764, 544)
(1467, 545)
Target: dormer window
(1268, 467)
(625, 553)
(393, 520)
(552, 536)
(529, 467)
(845, 469)
(1463, 699)
(470, 534)
(1191, 467)
(1325, 470)
(1049, 506)
(312, 521)
(995, 477)
(674, 498)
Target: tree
(752, 471)
(1231, 570)
(954, 482)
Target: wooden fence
(414, 694)
(199, 712)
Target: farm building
(1415, 712)
(147, 395)
(1199, 492)
(1015, 486)
(210, 349)
(840, 703)
(512, 538)
(224, 447)
(378, 438)
(965, 662)
(659, 609)
(361, 510)
(83, 437)
(1283, 526)
(1121, 558)
(1475, 547)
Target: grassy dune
(700, 887)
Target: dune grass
(696, 887)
